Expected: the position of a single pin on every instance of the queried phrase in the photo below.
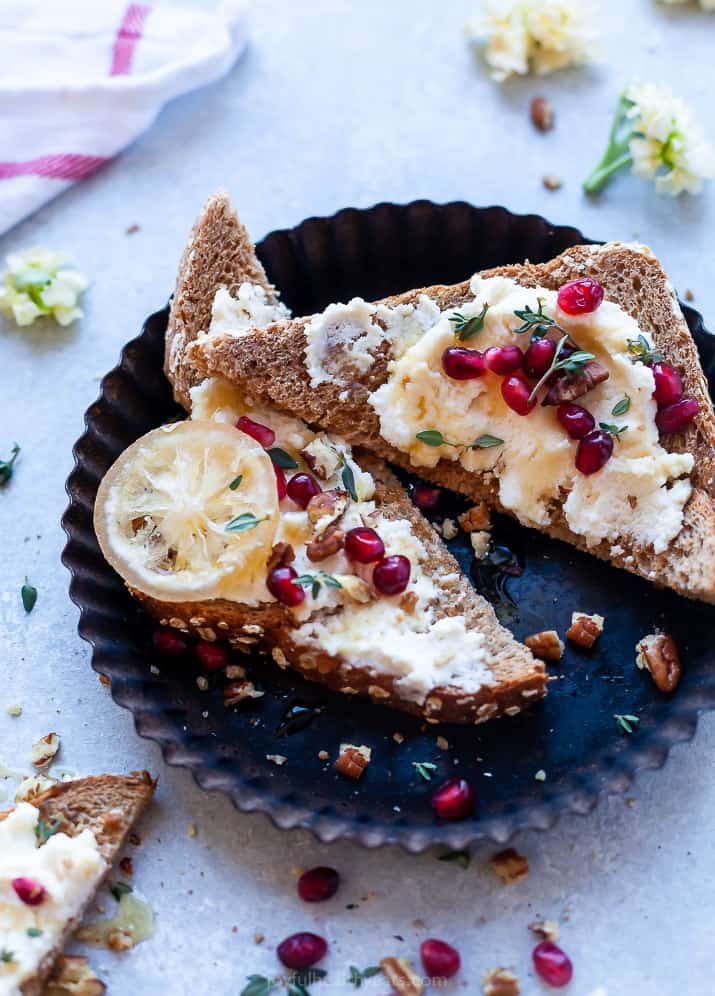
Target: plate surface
(572, 736)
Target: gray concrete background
(336, 104)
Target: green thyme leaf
(43, 832)
(432, 437)
(461, 858)
(468, 328)
(486, 441)
(622, 406)
(282, 459)
(28, 594)
(33, 932)
(615, 430)
(535, 321)
(314, 581)
(348, 479)
(641, 350)
(296, 989)
(258, 985)
(119, 889)
(242, 523)
(7, 956)
(357, 977)
(575, 362)
(626, 722)
(235, 482)
(424, 769)
(7, 466)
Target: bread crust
(270, 361)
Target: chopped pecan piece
(546, 645)
(43, 753)
(408, 602)
(475, 518)
(328, 504)
(547, 930)
(510, 866)
(236, 691)
(321, 457)
(352, 760)
(500, 982)
(402, 976)
(569, 386)
(356, 588)
(326, 545)
(282, 553)
(73, 976)
(542, 114)
(658, 654)
(584, 629)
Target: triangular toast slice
(365, 347)
(107, 807)
(451, 660)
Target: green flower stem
(605, 170)
(617, 154)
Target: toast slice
(275, 365)
(107, 806)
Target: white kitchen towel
(81, 79)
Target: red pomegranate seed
(439, 959)
(538, 357)
(302, 950)
(580, 297)
(463, 364)
(425, 497)
(392, 574)
(674, 418)
(261, 433)
(577, 421)
(318, 884)
(364, 545)
(212, 656)
(169, 643)
(516, 390)
(668, 384)
(594, 451)
(281, 487)
(552, 964)
(301, 488)
(28, 891)
(503, 359)
(455, 800)
(280, 584)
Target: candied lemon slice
(189, 511)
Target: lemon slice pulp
(189, 511)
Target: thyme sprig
(357, 977)
(537, 322)
(44, 831)
(468, 328)
(424, 769)
(641, 350)
(7, 466)
(626, 722)
(314, 582)
(614, 430)
(433, 437)
(571, 363)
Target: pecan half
(401, 975)
(542, 114)
(500, 982)
(43, 753)
(546, 645)
(282, 553)
(352, 760)
(569, 386)
(325, 545)
(475, 518)
(510, 866)
(237, 691)
(327, 504)
(584, 629)
(658, 654)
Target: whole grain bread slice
(270, 363)
(109, 806)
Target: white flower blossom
(39, 282)
(540, 36)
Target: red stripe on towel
(130, 31)
(60, 167)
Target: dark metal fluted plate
(572, 736)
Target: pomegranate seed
(455, 800)
(28, 891)
(281, 487)
(261, 433)
(538, 357)
(576, 420)
(301, 950)
(580, 297)
(594, 451)
(301, 488)
(516, 390)
(439, 959)
(463, 364)
(503, 359)
(364, 545)
(425, 497)
(169, 643)
(280, 584)
(675, 417)
(552, 964)
(318, 884)
(212, 657)
(668, 384)
(392, 574)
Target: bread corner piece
(274, 363)
(219, 253)
(106, 805)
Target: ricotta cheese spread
(249, 309)
(68, 868)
